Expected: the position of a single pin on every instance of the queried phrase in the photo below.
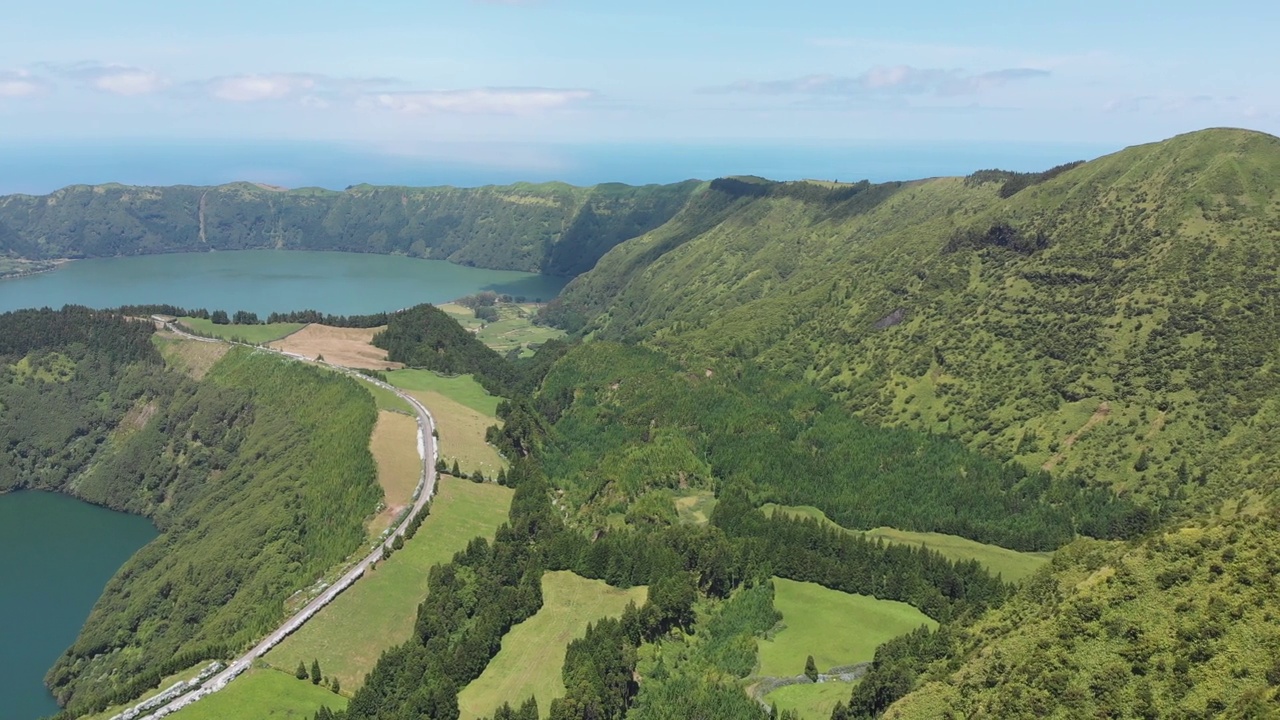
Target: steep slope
(1183, 625)
(1118, 320)
(258, 476)
(552, 228)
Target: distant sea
(40, 168)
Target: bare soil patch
(349, 347)
(394, 446)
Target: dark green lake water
(265, 281)
(58, 555)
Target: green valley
(1001, 445)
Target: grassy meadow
(1012, 565)
(532, 653)
(263, 694)
(378, 611)
(463, 412)
(462, 389)
(513, 329)
(812, 701)
(836, 628)
(253, 334)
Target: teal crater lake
(265, 281)
(58, 555)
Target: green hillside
(551, 228)
(259, 478)
(1117, 321)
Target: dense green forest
(627, 421)
(259, 478)
(553, 228)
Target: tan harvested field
(394, 446)
(349, 347)
(462, 434)
(192, 357)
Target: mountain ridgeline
(553, 228)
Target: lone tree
(811, 669)
(301, 672)
(316, 676)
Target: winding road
(427, 451)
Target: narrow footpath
(428, 453)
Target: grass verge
(378, 611)
(836, 628)
(261, 694)
(532, 653)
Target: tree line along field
(1011, 565)
(532, 653)
(837, 629)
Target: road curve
(427, 451)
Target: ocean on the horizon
(39, 168)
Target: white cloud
(130, 81)
(20, 84)
(887, 80)
(123, 80)
(311, 89)
(254, 88)
(494, 101)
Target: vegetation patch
(461, 389)
(533, 651)
(348, 347)
(462, 435)
(395, 449)
(262, 694)
(378, 612)
(1011, 565)
(809, 701)
(189, 356)
(252, 334)
(512, 327)
(836, 628)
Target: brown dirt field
(193, 358)
(394, 446)
(1098, 416)
(349, 347)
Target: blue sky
(407, 77)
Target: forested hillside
(552, 228)
(258, 476)
(1119, 317)
(1113, 323)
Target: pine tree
(811, 669)
(456, 471)
(301, 672)
(315, 672)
